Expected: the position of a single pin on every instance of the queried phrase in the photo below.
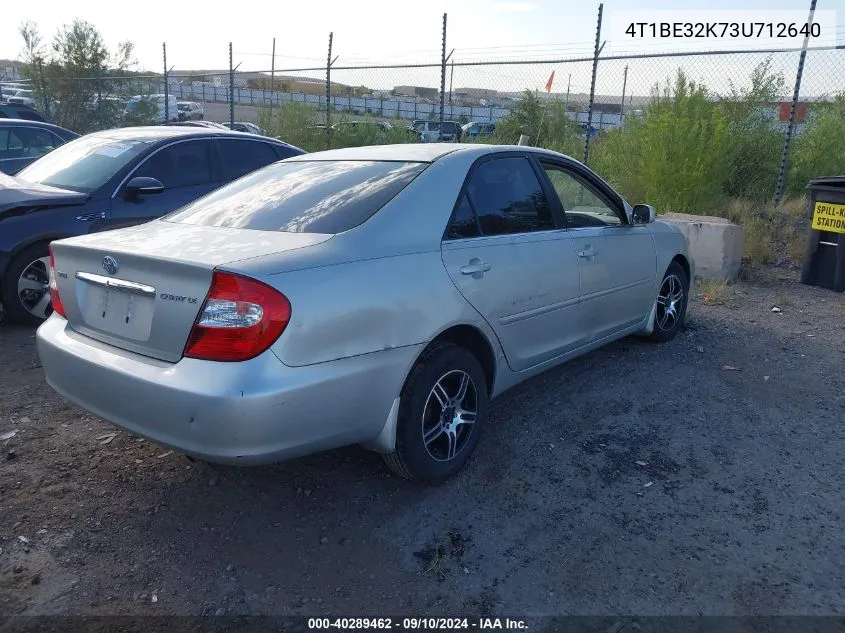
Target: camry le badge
(110, 264)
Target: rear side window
(508, 198)
(239, 157)
(182, 164)
(284, 151)
(303, 197)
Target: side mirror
(643, 214)
(142, 185)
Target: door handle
(475, 267)
(587, 252)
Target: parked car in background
(106, 180)
(22, 141)
(10, 111)
(477, 129)
(190, 111)
(245, 126)
(22, 97)
(375, 125)
(430, 132)
(152, 108)
(378, 295)
(9, 89)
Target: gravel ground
(640, 479)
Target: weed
(712, 291)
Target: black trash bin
(824, 261)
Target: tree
(76, 75)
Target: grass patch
(712, 291)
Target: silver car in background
(374, 295)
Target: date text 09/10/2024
(416, 624)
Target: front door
(183, 167)
(507, 255)
(617, 260)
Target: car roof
(31, 123)
(416, 152)
(153, 133)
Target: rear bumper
(253, 412)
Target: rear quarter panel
(362, 307)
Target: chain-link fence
(685, 130)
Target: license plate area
(118, 310)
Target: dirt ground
(702, 476)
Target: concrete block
(714, 243)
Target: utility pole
(624, 85)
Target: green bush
(675, 156)
(294, 123)
(820, 149)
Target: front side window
(508, 198)
(303, 196)
(582, 206)
(83, 164)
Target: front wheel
(671, 306)
(26, 286)
(442, 411)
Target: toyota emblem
(110, 264)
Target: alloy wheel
(669, 302)
(34, 288)
(449, 415)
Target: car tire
(427, 449)
(671, 309)
(33, 264)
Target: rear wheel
(442, 412)
(671, 307)
(25, 286)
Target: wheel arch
(469, 337)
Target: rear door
(238, 157)
(184, 168)
(509, 257)
(617, 260)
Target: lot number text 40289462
(417, 624)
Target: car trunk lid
(141, 288)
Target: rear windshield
(302, 197)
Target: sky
(391, 31)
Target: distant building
(416, 91)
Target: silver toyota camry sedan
(378, 296)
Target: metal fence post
(329, 90)
(443, 75)
(231, 88)
(44, 98)
(166, 101)
(624, 86)
(787, 140)
(593, 87)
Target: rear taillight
(241, 317)
(55, 299)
